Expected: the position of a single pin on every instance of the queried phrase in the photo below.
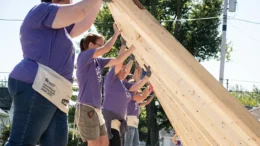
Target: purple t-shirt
(116, 94)
(40, 43)
(89, 75)
(133, 108)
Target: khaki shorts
(88, 123)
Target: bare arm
(137, 73)
(73, 13)
(107, 47)
(174, 139)
(136, 78)
(121, 58)
(141, 83)
(109, 44)
(128, 67)
(84, 25)
(141, 98)
(148, 101)
(118, 66)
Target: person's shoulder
(128, 83)
(111, 72)
(85, 57)
(100, 58)
(87, 52)
(125, 82)
(43, 5)
(41, 9)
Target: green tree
(71, 115)
(76, 141)
(5, 133)
(251, 99)
(3, 82)
(200, 37)
(74, 97)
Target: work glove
(148, 71)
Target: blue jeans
(35, 118)
(132, 137)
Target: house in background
(255, 112)
(5, 99)
(166, 138)
(4, 120)
(5, 106)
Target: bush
(5, 133)
(71, 142)
(76, 141)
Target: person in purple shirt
(117, 94)
(176, 140)
(133, 112)
(90, 65)
(133, 109)
(46, 39)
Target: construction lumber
(201, 110)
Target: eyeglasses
(123, 69)
(99, 45)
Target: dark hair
(129, 77)
(50, 1)
(89, 38)
(46, 1)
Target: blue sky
(244, 36)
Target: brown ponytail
(51, 1)
(89, 38)
(81, 45)
(46, 1)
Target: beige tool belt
(115, 124)
(132, 121)
(53, 87)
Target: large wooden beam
(199, 108)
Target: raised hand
(148, 71)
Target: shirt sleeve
(41, 15)
(110, 76)
(69, 28)
(127, 85)
(103, 61)
(85, 58)
(143, 74)
(132, 95)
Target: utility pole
(227, 84)
(223, 43)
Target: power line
(252, 37)
(238, 19)
(244, 81)
(238, 91)
(206, 18)
(181, 20)
(193, 19)
(2, 19)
